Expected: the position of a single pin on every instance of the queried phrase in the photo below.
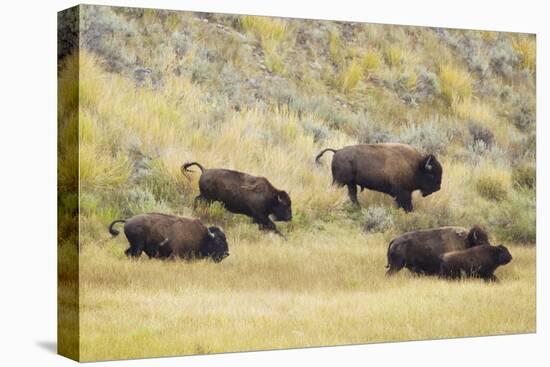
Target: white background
(28, 182)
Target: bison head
(215, 245)
(430, 172)
(504, 256)
(477, 237)
(282, 208)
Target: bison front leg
(267, 224)
(352, 192)
(404, 200)
(492, 278)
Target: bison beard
(394, 169)
(242, 193)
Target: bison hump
(254, 187)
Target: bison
(394, 169)
(242, 193)
(420, 251)
(476, 262)
(163, 236)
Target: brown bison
(475, 262)
(163, 235)
(242, 193)
(420, 251)
(394, 169)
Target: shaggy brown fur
(242, 193)
(163, 235)
(420, 251)
(394, 169)
(478, 262)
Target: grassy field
(322, 288)
(264, 96)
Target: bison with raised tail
(242, 193)
(477, 262)
(394, 169)
(420, 251)
(163, 236)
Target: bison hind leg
(352, 192)
(133, 251)
(395, 263)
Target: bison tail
(388, 254)
(185, 167)
(323, 152)
(114, 231)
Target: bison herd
(393, 169)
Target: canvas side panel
(68, 339)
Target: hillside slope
(264, 96)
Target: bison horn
(163, 242)
(428, 166)
(475, 235)
(212, 235)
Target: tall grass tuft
(525, 46)
(456, 83)
(492, 184)
(351, 76)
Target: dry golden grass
(525, 45)
(320, 288)
(351, 76)
(456, 84)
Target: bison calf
(242, 193)
(420, 251)
(162, 235)
(477, 262)
(394, 169)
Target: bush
(377, 219)
(503, 59)
(481, 134)
(141, 200)
(405, 86)
(98, 25)
(372, 133)
(523, 116)
(427, 85)
(479, 65)
(524, 176)
(320, 133)
(492, 187)
(429, 138)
